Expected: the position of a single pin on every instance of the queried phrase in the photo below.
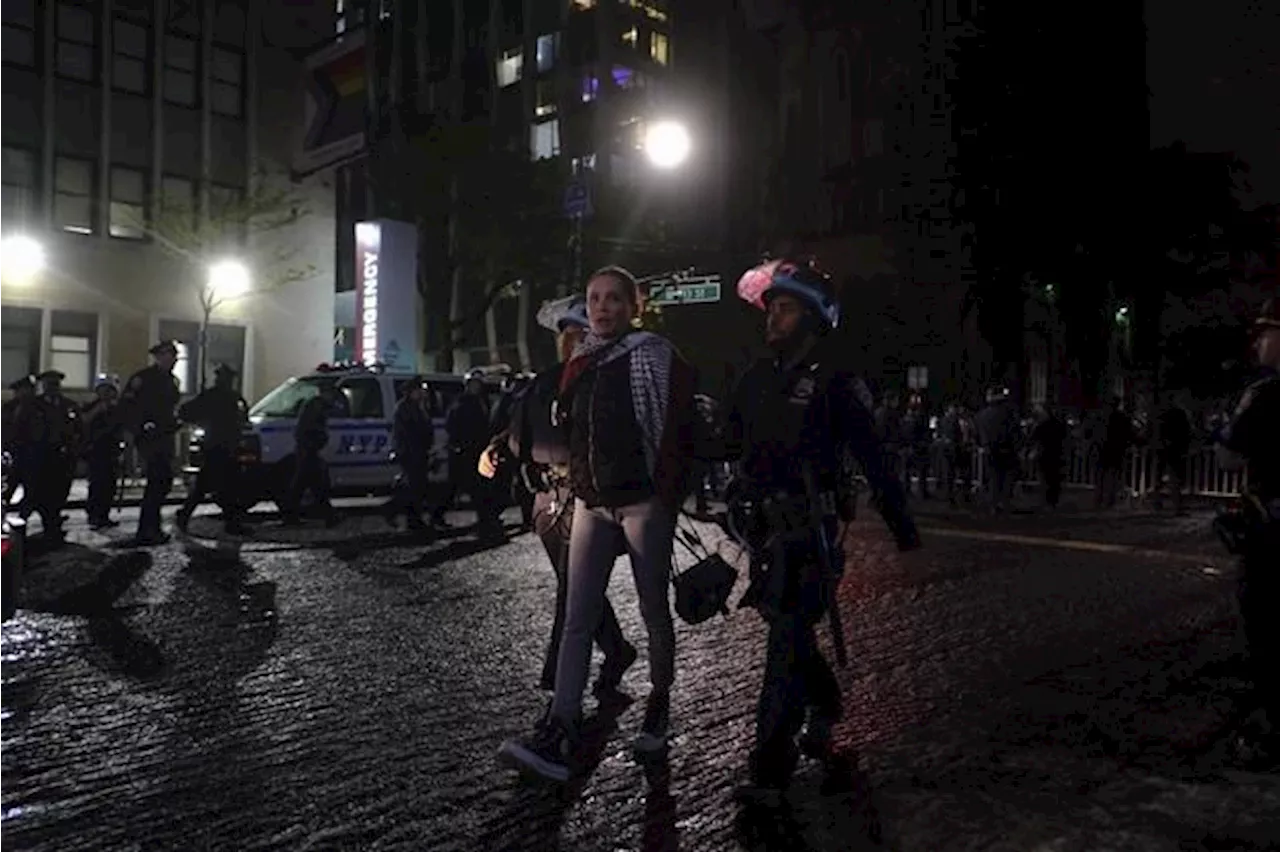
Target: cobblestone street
(1023, 683)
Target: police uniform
(1252, 437)
(102, 451)
(791, 420)
(55, 447)
(148, 411)
(223, 414)
(310, 471)
(18, 433)
(468, 426)
(412, 435)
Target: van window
(364, 398)
(287, 400)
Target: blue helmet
(802, 280)
(559, 314)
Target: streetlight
(21, 258)
(667, 144)
(228, 279)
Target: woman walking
(626, 401)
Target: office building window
(18, 195)
(178, 199)
(180, 70)
(548, 47)
(228, 82)
(73, 199)
(631, 37)
(72, 346)
(128, 215)
(544, 140)
(20, 340)
(129, 64)
(19, 44)
(510, 67)
(590, 88)
(546, 98)
(659, 48)
(76, 50)
(917, 377)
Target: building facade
(131, 127)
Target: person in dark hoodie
(626, 401)
(535, 450)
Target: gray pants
(647, 529)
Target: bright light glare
(229, 279)
(667, 144)
(21, 257)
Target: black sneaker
(611, 672)
(545, 754)
(657, 722)
(182, 520)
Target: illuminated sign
(387, 303)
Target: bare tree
(246, 229)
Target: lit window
(19, 45)
(73, 200)
(510, 67)
(660, 48)
(182, 367)
(544, 140)
(180, 70)
(547, 45)
(590, 89)
(18, 171)
(630, 37)
(227, 93)
(649, 8)
(76, 43)
(585, 163)
(128, 214)
(546, 98)
(129, 62)
(918, 377)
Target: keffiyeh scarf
(650, 371)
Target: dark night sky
(1213, 67)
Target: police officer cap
(24, 383)
(51, 376)
(164, 346)
(1269, 316)
(225, 370)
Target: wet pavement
(1023, 683)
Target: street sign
(577, 200)
(688, 291)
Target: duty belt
(544, 477)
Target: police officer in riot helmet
(310, 471)
(1251, 439)
(102, 451)
(57, 438)
(412, 434)
(790, 420)
(148, 410)
(223, 414)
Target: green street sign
(702, 290)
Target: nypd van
(359, 449)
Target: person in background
(148, 409)
(534, 447)
(223, 414)
(57, 445)
(311, 472)
(18, 435)
(997, 427)
(626, 401)
(467, 424)
(1173, 436)
(1118, 436)
(103, 434)
(917, 438)
(1049, 437)
(412, 434)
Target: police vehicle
(359, 449)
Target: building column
(158, 31)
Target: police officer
(102, 451)
(536, 450)
(1251, 439)
(56, 448)
(468, 426)
(412, 434)
(310, 472)
(790, 420)
(17, 433)
(148, 411)
(223, 414)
